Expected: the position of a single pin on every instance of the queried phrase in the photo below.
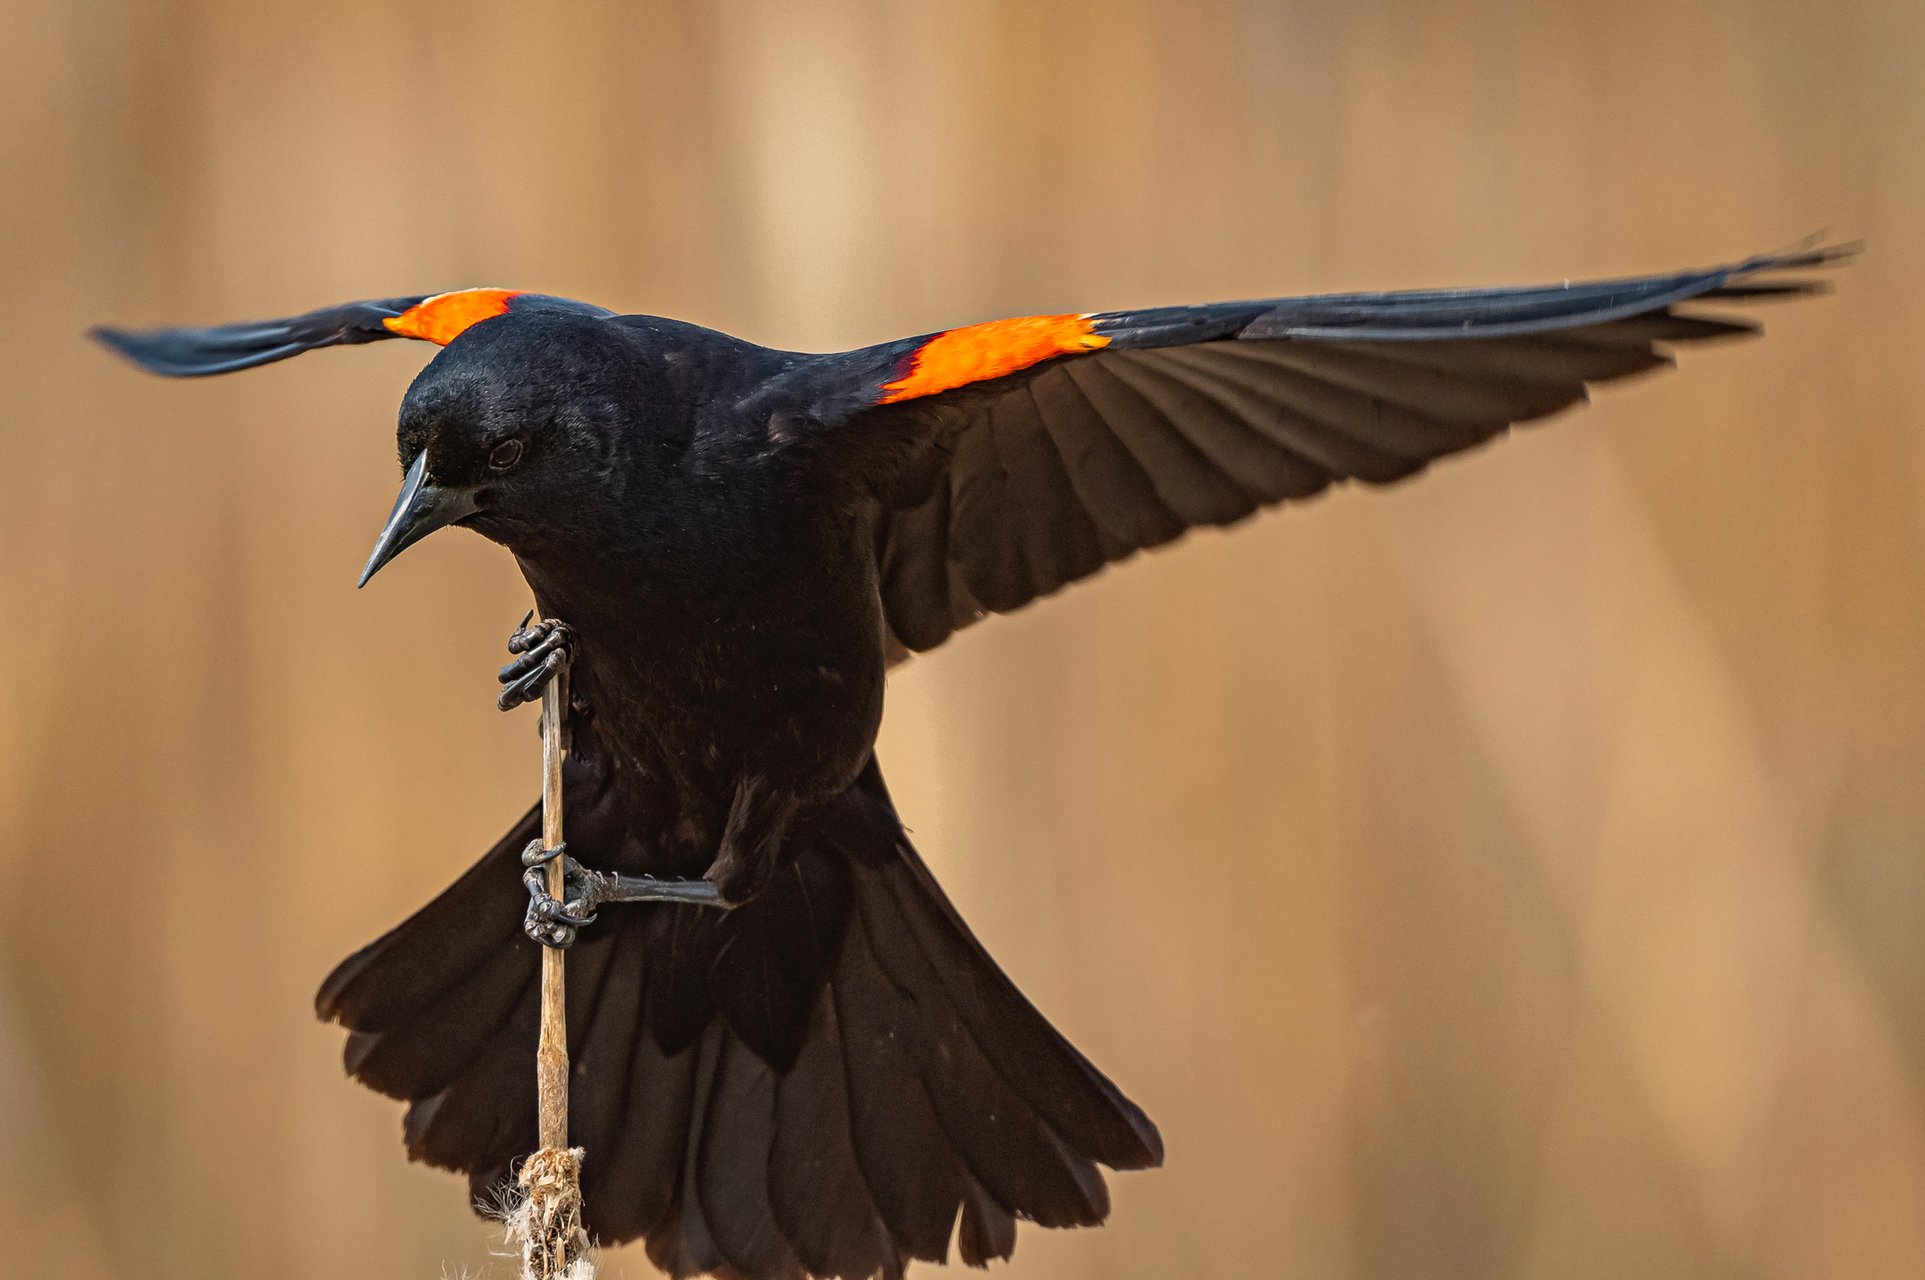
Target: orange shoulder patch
(446, 316)
(980, 352)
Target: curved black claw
(551, 921)
(539, 855)
(545, 649)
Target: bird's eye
(505, 455)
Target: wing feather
(1061, 541)
(1171, 418)
(1192, 486)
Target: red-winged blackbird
(822, 1078)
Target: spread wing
(438, 318)
(1027, 454)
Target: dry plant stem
(551, 1055)
(547, 1224)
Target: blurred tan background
(1518, 873)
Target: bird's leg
(556, 922)
(545, 649)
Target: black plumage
(833, 1078)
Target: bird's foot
(556, 922)
(546, 648)
(552, 921)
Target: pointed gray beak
(419, 511)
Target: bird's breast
(691, 700)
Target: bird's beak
(419, 511)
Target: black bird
(800, 1062)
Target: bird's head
(522, 429)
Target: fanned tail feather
(831, 1081)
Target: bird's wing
(438, 318)
(1038, 450)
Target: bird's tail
(820, 1082)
